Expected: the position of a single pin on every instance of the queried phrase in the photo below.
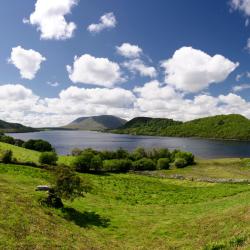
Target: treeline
(37, 145)
(121, 160)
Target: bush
(122, 153)
(7, 156)
(180, 163)
(163, 163)
(38, 145)
(96, 163)
(138, 154)
(117, 165)
(189, 157)
(18, 143)
(107, 155)
(82, 163)
(48, 158)
(76, 152)
(7, 139)
(156, 154)
(144, 164)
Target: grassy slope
(220, 127)
(122, 212)
(26, 155)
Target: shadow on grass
(85, 219)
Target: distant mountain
(96, 123)
(219, 127)
(8, 127)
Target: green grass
(26, 155)
(216, 169)
(124, 211)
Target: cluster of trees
(122, 161)
(37, 145)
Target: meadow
(127, 211)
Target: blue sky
(183, 33)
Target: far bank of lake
(65, 141)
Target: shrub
(117, 165)
(82, 163)
(121, 153)
(76, 152)
(173, 155)
(19, 142)
(163, 163)
(7, 139)
(7, 156)
(38, 145)
(107, 155)
(96, 163)
(48, 158)
(189, 157)
(138, 154)
(180, 163)
(159, 153)
(144, 164)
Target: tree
(163, 163)
(144, 164)
(117, 165)
(7, 156)
(38, 145)
(7, 139)
(82, 163)
(48, 158)
(67, 185)
(138, 154)
(96, 163)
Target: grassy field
(124, 211)
(26, 155)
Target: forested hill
(7, 127)
(220, 127)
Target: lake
(65, 141)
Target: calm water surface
(65, 141)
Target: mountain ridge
(10, 127)
(96, 123)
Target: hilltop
(231, 126)
(8, 127)
(96, 123)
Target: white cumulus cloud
(98, 71)
(27, 61)
(128, 50)
(138, 66)
(241, 5)
(241, 87)
(49, 19)
(107, 21)
(192, 70)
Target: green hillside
(7, 127)
(220, 127)
(30, 156)
(123, 211)
(96, 123)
